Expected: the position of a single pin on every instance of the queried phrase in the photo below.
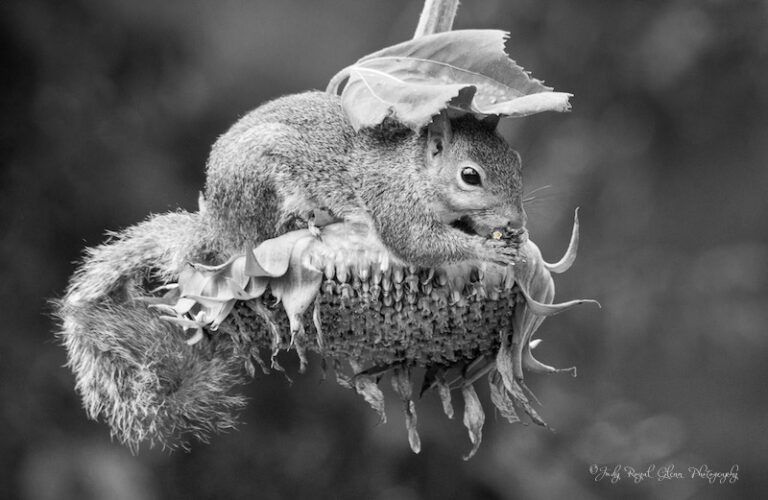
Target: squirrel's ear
(491, 121)
(438, 135)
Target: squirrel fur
(299, 153)
(274, 167)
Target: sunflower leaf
(466, 71)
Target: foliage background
(109, 108)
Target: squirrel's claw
(499, 252)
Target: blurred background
(109, 109)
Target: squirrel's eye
(470, 176)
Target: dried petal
(298, 338)
(206, 301)
(532, 364)
(367, 387)
(501, 399)
(541, 309)
(445, 397)
(474, 418)
(317, 321)
(430, 379)
(222, 314)
(568, 259)
(164, 308)
(298, 287)
(271, 257)
(183, 322)
(505, 367)
(197, 337)
(401, 383)
(256, 287)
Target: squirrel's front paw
(498, 251)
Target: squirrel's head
(477, 174)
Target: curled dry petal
(570, 254)
(542, 309)
(534, 365)
(474, 418)
(538, 289)
(525, 323)
(270, 258)
(299, 286)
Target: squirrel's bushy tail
(132, 368)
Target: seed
(397, 275)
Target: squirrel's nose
(518, 221)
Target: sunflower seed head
(356, 305)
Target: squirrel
(433, 197)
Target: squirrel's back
(286, 156)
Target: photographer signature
(618, 472)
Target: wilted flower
(459, 321)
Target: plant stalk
(436, 16)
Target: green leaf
(466, 71)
